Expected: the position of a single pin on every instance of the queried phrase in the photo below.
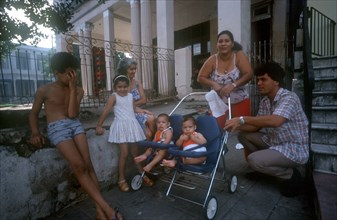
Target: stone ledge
(326, 191)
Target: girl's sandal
(118, 215)
(123, 186)
(147, 181)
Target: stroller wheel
(211, 207)
(233, 183)
(136, 182)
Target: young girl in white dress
(125, 129)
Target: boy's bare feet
(169, 163)
(99, 213)
(116, 214)
(140, 158)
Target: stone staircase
(324, 136)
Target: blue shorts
(63, 130)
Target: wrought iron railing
(99, 61)
(308, 76)
(21, 72)
(24, 70)
(322, 32)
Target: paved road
(254, 199)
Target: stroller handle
(202, 93)
(186, 96)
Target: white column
(165, 40)
(88, 56)
(146, 42)
(83, 63)
(135, 38)
(61, 44)
(240, 26)
(109, 38)
(183, 71)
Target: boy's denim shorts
(63, 130)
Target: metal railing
(322, 32)
(308, 75)
(24, 70)
(21, 72)
(99, 61)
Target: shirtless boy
(61, 100)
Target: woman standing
(228, 72)
(128, 67)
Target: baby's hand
(184, 137)
(99, 130)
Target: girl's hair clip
(119, 76)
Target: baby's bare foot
(140, 158)
(147, 168)
(169, 163)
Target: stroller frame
(210, 202)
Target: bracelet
(234, 84)
(241, 120)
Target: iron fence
(25, 69)
(322, 31)
(22, 72)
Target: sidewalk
(253, 199)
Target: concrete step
(327, 84)
(326, 191)
(324, 158)
(324, 61)
(326, 98)
(324, 114)
(325, 72)
(323, 133)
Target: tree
(56, 17)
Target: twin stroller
(216, 149)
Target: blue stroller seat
(206, 126)
(216, 148)
(175, 123)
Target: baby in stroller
(189, 140)
(164, 135)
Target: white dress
(125, 127)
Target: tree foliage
(56, 17)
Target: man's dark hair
(63, 60)
(273, 70)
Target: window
(24, 88)
(5, 63)
(6, 88)
(261, 12)
(22, 60)
(208, 46)
(196, 49)
(42, 63)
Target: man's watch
(241, 120)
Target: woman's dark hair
(121, 78)
(273, 70)
(124, 64)
(237, 46)
(62, 60)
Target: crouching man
(277, 138)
